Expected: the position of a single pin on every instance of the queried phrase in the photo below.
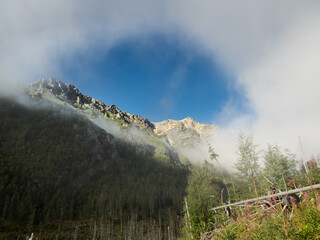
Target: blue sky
(156, 76)
(250, 66)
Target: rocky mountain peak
(164, 127)
(55, 87)
(184, 133)
(71, 94)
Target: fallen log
(268, 196)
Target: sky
(250, 66)
(155, 76)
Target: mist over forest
(159, 120)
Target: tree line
(209, 185)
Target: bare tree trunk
(5, 205)
(31, 237)
(75, 233)
(102, 235)
(159, 226)
(254, 184)
(94, 231)
(188, 215)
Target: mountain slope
(61, 167)
(69, 93)
(183, 133)
(131, 128)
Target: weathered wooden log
(268, 196)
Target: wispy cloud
(170, 96)
(271, 47)
(35, 35)
(178, 77)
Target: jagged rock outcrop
(183, 133)
(164, 127)
(71, 94)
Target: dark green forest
(62, 177)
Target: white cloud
(271, 47)
(36, 35)
(283, 89)
(178, 77)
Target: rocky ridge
(164, 127)
(183, 133)
(71, 94)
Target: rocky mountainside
(183, 133)
(164, 127)
(66, 158)
(61, 171)
(71, 94)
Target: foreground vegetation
(298, 222)
(210, 186)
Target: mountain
(70, 164)
(132, 128)
(64, 177)
(183, 133)
(69, 93)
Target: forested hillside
(63, 177)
